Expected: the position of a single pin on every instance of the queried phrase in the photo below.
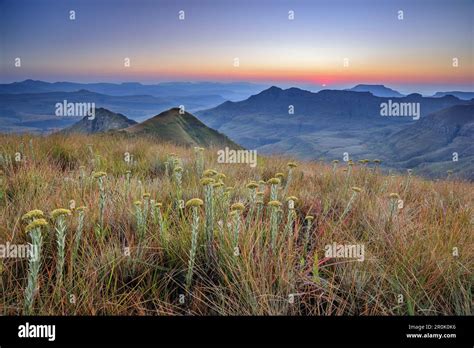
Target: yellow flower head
(194, 202)
(33, 214)
(377, 161)
(261, 182)
(158, 205)
(178, 169)
(394, 196)
(356, 189)
(309, 217)
(81, 208)
(220, 176)
(292, 165)
(218, 184)
(207, 181)
(252, 185)
(59, 212)
(335, 161)
(292, 198)
(275, 204)
(98, 175)
(279, 175)
(36, 224)
(209, 172)
(274, 181)
(137, 203)
(146, 195)
(237, 206)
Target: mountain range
(227, 91)
(296, 122)
(330, 123)
(36, 111)
(28, 106)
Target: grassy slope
(412, 255)
(180, 129)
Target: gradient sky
(413, 54)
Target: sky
(330, 43)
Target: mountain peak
(172, 112)
(376, 90)
(104, 120)
(363, 85)
(414, 96)
(457, 94)
(180, 128)
(31, 82)
(274, 90)
(85, 91)
(130, 84)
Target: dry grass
(409, 255)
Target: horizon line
(279, 84)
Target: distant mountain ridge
(294, 111)
(457, 94)
(376, 90)
(435, 142)
(226, 91)
(325, 124)
(37, 110)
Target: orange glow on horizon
(327, 72)
(316, 77)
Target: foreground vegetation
(249, 241)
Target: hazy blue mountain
(201, 90)
(103, 121)
(324, 124)
(377, 90)
(429, 145)
(265, 118)
(458, 94)
(36, 111)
